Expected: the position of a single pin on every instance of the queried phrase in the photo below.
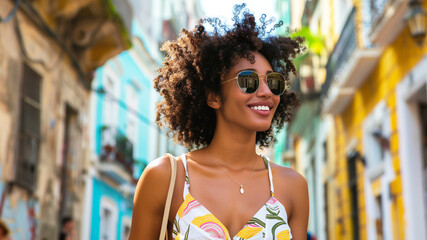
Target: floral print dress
(194, 221)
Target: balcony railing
(348, 67)
(309, 8)
(343, 50)
(378, 8)
(117, 154)
(386, 20)
(305, 87)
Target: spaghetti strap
(184, 162)
(187, 180)
(195, 221)
(270, 175)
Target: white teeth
(263, 108)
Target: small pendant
(241, 189)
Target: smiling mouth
(261, 108)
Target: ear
(213, 100)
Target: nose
(263, 90)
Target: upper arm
(300, 207)
(149, 200)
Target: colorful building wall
(127, 75)
(378, 91)
(373, 176)
(44, 93)
(105, 194)
(311, 131)
(121, 100)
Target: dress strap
(270, 176)
(184, 162)
(187, 179)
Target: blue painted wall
(127, 72)
(130, 72)
(100, 190)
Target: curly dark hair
(197, 61)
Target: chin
(263, 128)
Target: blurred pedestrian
(67, 229)
(311, 236)
(4, 231)
(224, 92)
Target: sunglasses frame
(259, 75)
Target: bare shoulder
(287, 174)
(289, 184)
(150, 198)
(292, 187)
(158, 167)
(154, 180)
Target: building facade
(120, 134)
(373, 100)
(123, 132)
(48, 52)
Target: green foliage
(314, 42)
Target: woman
(223, 93)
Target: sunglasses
(248, 82)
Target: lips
(261, 105)
(262, 108)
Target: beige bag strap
(163, 230)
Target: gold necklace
(241, 190)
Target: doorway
(69, 162)
(422, 106)
(411, 96)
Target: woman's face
(253, 111)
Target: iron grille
(378, 8)
(342, 52)
(29, 130)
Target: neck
(232, 146)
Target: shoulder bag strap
(163, 229)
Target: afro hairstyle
(196, 62)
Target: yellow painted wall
(396, 61)
(344, 228)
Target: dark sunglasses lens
(276, 83)
(248, 81)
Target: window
(379, 217)
(110, 103)
(376, 150)
(132, 118)
(376, 133)
(29, 129)
(352, 184)
(108, 219)
(325, 150)
(379, 171)
(126, 223)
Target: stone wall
(35, 214)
